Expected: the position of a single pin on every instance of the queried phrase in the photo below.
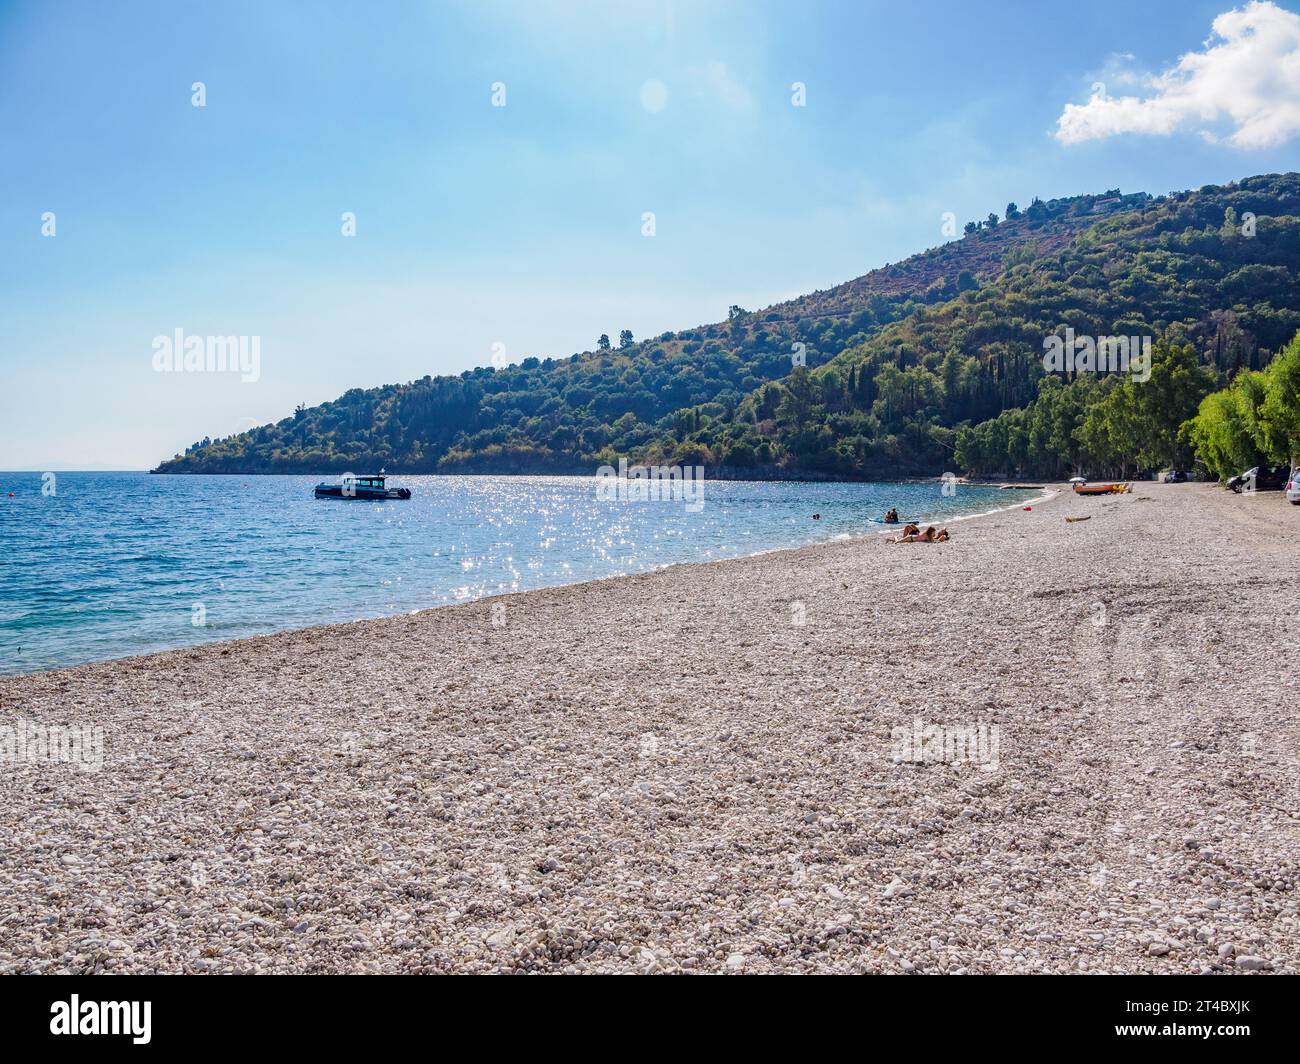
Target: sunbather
(928, 536)
(912, 535)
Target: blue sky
(522, 225)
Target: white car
(1293, 487)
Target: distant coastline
(943, 362)
(771, 474)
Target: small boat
(1110, 488)
(369, 488)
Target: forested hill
(930, 364)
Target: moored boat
(1110, 488)
(371, 488)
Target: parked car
(1261, 478)
(1176, 476)
(1274, 478)
(1293, 487)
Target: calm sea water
(115, 564)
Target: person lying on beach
(891, 518)
(928, 536)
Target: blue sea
(106, 565)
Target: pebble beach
(746, 766)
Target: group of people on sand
(913, 534)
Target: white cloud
(1245, 79)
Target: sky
(191, 166)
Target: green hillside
(934, 363)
